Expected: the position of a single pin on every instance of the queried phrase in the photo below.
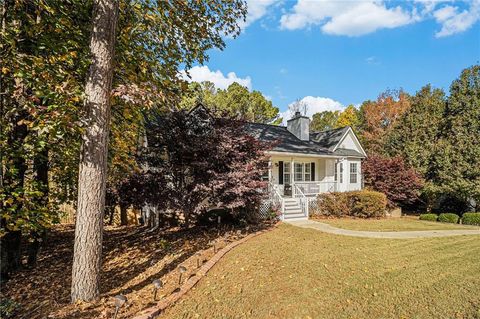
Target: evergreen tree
(325, 120)
(416, 134)
(235, 101)
(415, 137)
(457, 157)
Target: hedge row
(429, 217)
(448, 218)
(471, 219)
(467, 218)
(362, 204)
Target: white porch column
(270, 175)
(292, 176)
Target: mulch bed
(133, 258)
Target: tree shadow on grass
(128, 252)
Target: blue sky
(335, 53)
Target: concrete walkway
(377, 234)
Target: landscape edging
(153, 311)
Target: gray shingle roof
(320, 143)
(329, 138)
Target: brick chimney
(299, 126)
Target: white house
(303, 164)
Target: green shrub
(332, 204)
(471, 219)
(363, 204)
(429, 217)
(448, 218)
(367, 204)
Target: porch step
(293, 211)
(294, 217)
(296, 210)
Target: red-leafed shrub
(193, 161)
(391, 176)
(362, 204)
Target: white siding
(358, 184)
(349, 142)
(330, 170)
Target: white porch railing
(298, 193)
(315, 188)
(277, 199)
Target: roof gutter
(308, 155)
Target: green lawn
(294, 272)
(391, 224)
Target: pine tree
(458, 154)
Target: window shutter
(312, 172)
(280, 172)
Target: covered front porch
(295, 181)
(307, 175)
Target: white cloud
(453, 21)
(428, 5)
(360, 17)
(203, 73)
(350, 18)
(445, 13)
(315, 104)
(372, 60)
(256, 9)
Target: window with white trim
(341, 172)
(265, 175)
(336, 172)
(298, 172)
(302, 172)
(353, 173)
(307, 171)
(286, 173)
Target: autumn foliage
(194, 161)
(394, 178)
(380, 116)
(361, 204)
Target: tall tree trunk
(123, 215)
(93, 160)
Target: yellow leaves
(5, 70)
(149, 16)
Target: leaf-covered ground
(294, 272)
(133, 258)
